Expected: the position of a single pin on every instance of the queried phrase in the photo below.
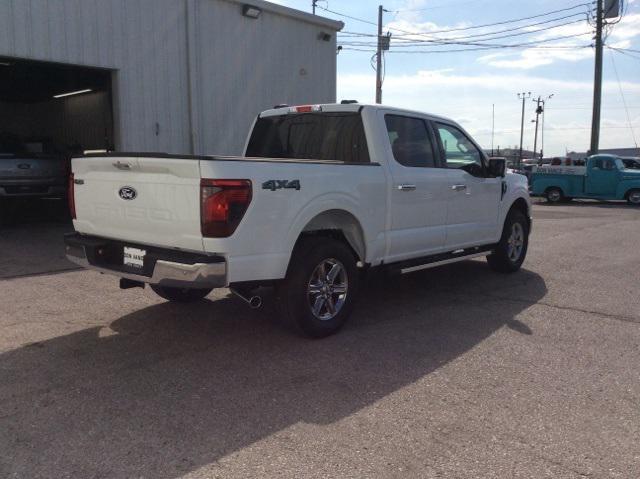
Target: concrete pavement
(451, 372)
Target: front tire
(554, 195)
(512, 248)
(180, 295)
(633, 197)
(317, 296)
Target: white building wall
(189, 75)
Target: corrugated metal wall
(188, 65)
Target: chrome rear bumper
(188, 271)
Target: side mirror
(497, 167)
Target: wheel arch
(339, 224)
(629, 190)
(555, 187)
(522, 205)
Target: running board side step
(440, 259)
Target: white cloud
(493, 81)
(573, 48)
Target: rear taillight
(71, 196)
(223, 203)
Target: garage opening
(54, 109)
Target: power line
(451, 41)
(613, 63)
(624, 52)
(504, 22)
(457, 50)
(529, 25)
(485, 46)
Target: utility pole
(313, 5)
(535, 137)
(544, 109)
(542, 138)
(597, 82)
(379, 58)
(523, 96)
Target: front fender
(517, 189)
(625, 186)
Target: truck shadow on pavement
(169, 389)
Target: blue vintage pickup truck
(605, 177)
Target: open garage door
(49, 112)
(67, 107)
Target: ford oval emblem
(127, 193)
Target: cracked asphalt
(453, 372)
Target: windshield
(310, 136)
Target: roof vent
(348, 102)
(280, 105)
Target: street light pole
(544, 109)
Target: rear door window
(410, 141)
(310, 136)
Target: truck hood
(631, 175)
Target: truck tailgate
(146, 200)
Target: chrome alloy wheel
(327, 289)
(515, 243)
(634, 197)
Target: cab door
(418, 188)
(603, 177)
(474, 198)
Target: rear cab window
(336, 136)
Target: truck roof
(605, 156)
(343, 107)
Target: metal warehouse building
(178, 76)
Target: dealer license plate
(134, 257)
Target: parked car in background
(31, 169)
(323, 194)
(631, 163)
(605, 177)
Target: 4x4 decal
(274, 185)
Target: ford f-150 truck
(605, 177)
(323, 193)
(27, 170)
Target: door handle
(459, 187)
(122, 166)
(406, 187)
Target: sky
(469, 86)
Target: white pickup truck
(324, 193)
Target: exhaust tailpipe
(254, 302)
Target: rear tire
(318, 294)
(633, 197)
(180, 295)
(554, 195)
(512, 248)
